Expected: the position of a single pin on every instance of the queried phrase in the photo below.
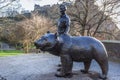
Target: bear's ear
(48, 32)
(56, 35)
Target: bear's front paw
(59, 69)
(84, 71)
(103, 77)
(59, 65)
(60, 74)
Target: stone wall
(113, 48)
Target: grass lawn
(10, 52)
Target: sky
(29, 4)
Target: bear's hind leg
(104, 67)
(86, 66)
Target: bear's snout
(36, 45)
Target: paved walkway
(43, 67)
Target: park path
(43, 67)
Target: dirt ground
(43, 67)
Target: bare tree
(89, 19)
(5, 3)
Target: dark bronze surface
(74, 48)
(64, 21)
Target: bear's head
(46, 42)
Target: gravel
(43, 67)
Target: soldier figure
(63, 28)
(64, 21)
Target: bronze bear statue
(75, 48)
